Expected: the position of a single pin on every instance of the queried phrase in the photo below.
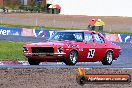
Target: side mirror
(85, 41)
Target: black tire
(33, 62)
(72, 60)
(81, 80)
(108, 58)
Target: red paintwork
(80, 47)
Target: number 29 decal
(91, 53)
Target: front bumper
(44, 54)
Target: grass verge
(11, 51)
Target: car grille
(42, 50)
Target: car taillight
(120, 52)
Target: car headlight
(60, 50)
(25, 49)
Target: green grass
(129, 33)
(11, 51)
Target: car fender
(108, 50)
(73, 50)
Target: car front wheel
(108, 58)
(72, 60)
(33, 62)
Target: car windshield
(71, 36)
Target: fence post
(36, 21)
(54, 22)
(72, 24)
(1, 20)
(110, 27)
(131, 29)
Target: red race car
(71, 47)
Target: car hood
(49, 44)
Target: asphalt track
(124, 61)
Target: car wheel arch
(73, 50)
(109, 50)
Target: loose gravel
(54, 78)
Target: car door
(89, 47)
(100, 46)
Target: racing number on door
(91, 53)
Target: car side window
(98, 39)
(78, 36)
(88, 38)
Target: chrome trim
(44, 54)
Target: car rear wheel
(33, 62)
(72, 60)
(108, 58)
